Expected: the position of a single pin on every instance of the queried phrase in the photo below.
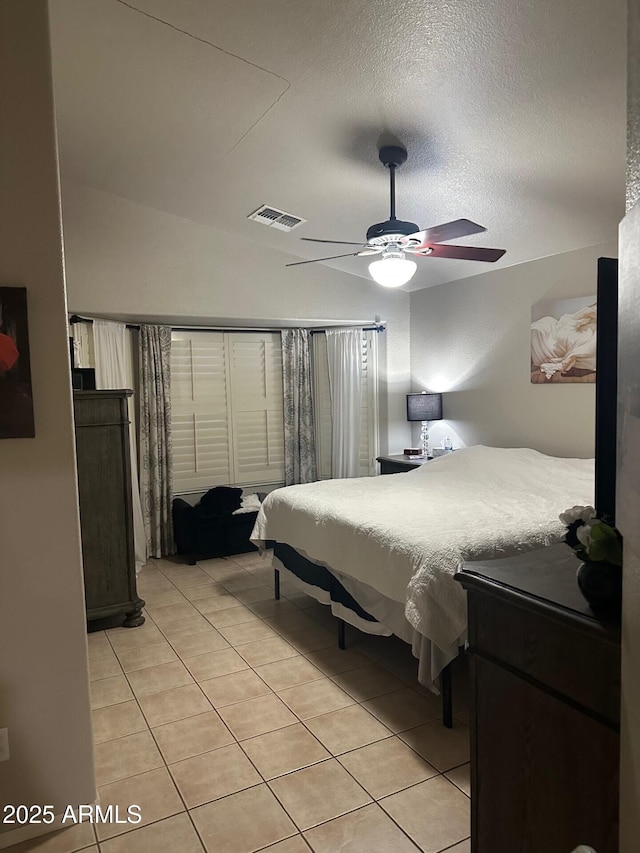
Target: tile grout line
(260, 774)
(237, 743)
(324, 675)
(167, 766)
(336, 758)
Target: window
(368, 408)
(227, 409)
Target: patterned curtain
(156, 484)
(299, 438)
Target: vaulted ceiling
(513, 112)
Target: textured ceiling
(513, 112)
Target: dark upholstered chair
(210, 529)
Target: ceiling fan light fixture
(392, 271)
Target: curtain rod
(373, 327)
(379, 327)
(76, 318)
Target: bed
(394, 543)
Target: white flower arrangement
(577, 513)
(591, 538)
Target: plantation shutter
(255, 383)
(368, 410)
(200, 416)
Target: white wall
(628, 481)
(124, 258)
(471, 339)
(44, 694)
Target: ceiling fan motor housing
(390, 231)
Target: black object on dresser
(545, 695)
(83, 379)
(106, 514)
(400, 464)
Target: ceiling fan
(394, 238)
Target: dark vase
(601, 585)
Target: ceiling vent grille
(268, 215)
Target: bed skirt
(365, 608)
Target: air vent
(278, 218)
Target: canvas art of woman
(564, 349)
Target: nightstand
(400, 464)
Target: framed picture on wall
(563, 340)
(16, 402)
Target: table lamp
(424, 407)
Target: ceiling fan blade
(337, 242)
(317, 260)
(463, 253)
(447, 231)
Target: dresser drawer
(581, 666)
(547, 776)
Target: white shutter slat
(255, 370)
(227, 401)
(199, 410)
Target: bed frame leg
(447, 697)
(341, 641)
(276, 584)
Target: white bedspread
(406, 534)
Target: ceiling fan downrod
(392, 177)
(392, 156)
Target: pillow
(221, 500)
(250, 503)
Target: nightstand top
(409, 460)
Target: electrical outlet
(4, 744)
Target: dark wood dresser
(545, 697)
(106, 516)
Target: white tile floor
(237, 725)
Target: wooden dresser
(106, 516)
(545, 696)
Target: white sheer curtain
(114, 369)
(344, 355)
(82, 335)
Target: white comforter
(406, 534)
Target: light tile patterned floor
(237, 725)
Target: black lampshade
(424, 407)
